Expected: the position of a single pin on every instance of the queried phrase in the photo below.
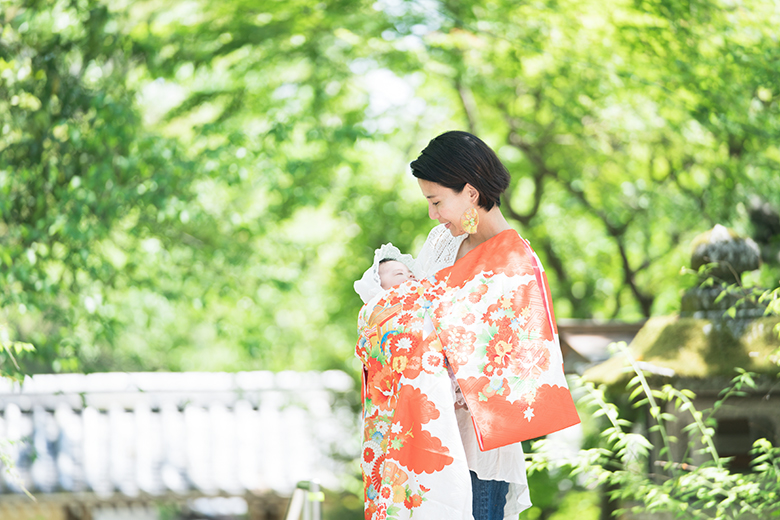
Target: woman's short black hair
(456, 158)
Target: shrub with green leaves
(641, 477)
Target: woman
(463, 365)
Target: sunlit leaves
(75, 169)
(288, 128)
(679, 482)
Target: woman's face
(446, 205)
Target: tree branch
(617, 232)
(698, 197)
(468, 104)
(629, 277)
(525, 219)
(535, 154)
(554, 262)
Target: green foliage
(78, 176)
(579, 504)
(624, 148)
(9, 350)
(193, 185)
(648, 478)
(9, 468)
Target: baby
(390, 268)
(392, 273)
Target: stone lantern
(729, 255)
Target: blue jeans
(488, 498)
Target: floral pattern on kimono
(489, 317)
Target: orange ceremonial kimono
(489, 320)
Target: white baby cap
(369, 286)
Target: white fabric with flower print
(506, 463)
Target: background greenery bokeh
(195, 185)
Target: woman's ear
(472, 192)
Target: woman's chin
(453, 230)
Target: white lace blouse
(439, 251)
(508, 462)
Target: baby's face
(392, 273)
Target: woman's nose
(432, 213)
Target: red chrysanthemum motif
(370, 509)
(432, 361)
(442, 309)
(416, 324)
(469, 319)
(496, 315)
(410, 300)
(475, 297)
(413, 501)
(386, 492)
(482, 289)
(499, 349)
(529, 303)
(458, 338)
(401, 343)
(368, 455)
(405, 318)
(380, 388)
(439, 290)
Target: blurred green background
(191, 185)
(195, 185)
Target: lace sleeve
(439, 251)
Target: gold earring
(470, 220)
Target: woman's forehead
(433, 189)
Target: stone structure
(700, 348)
(122, 445)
